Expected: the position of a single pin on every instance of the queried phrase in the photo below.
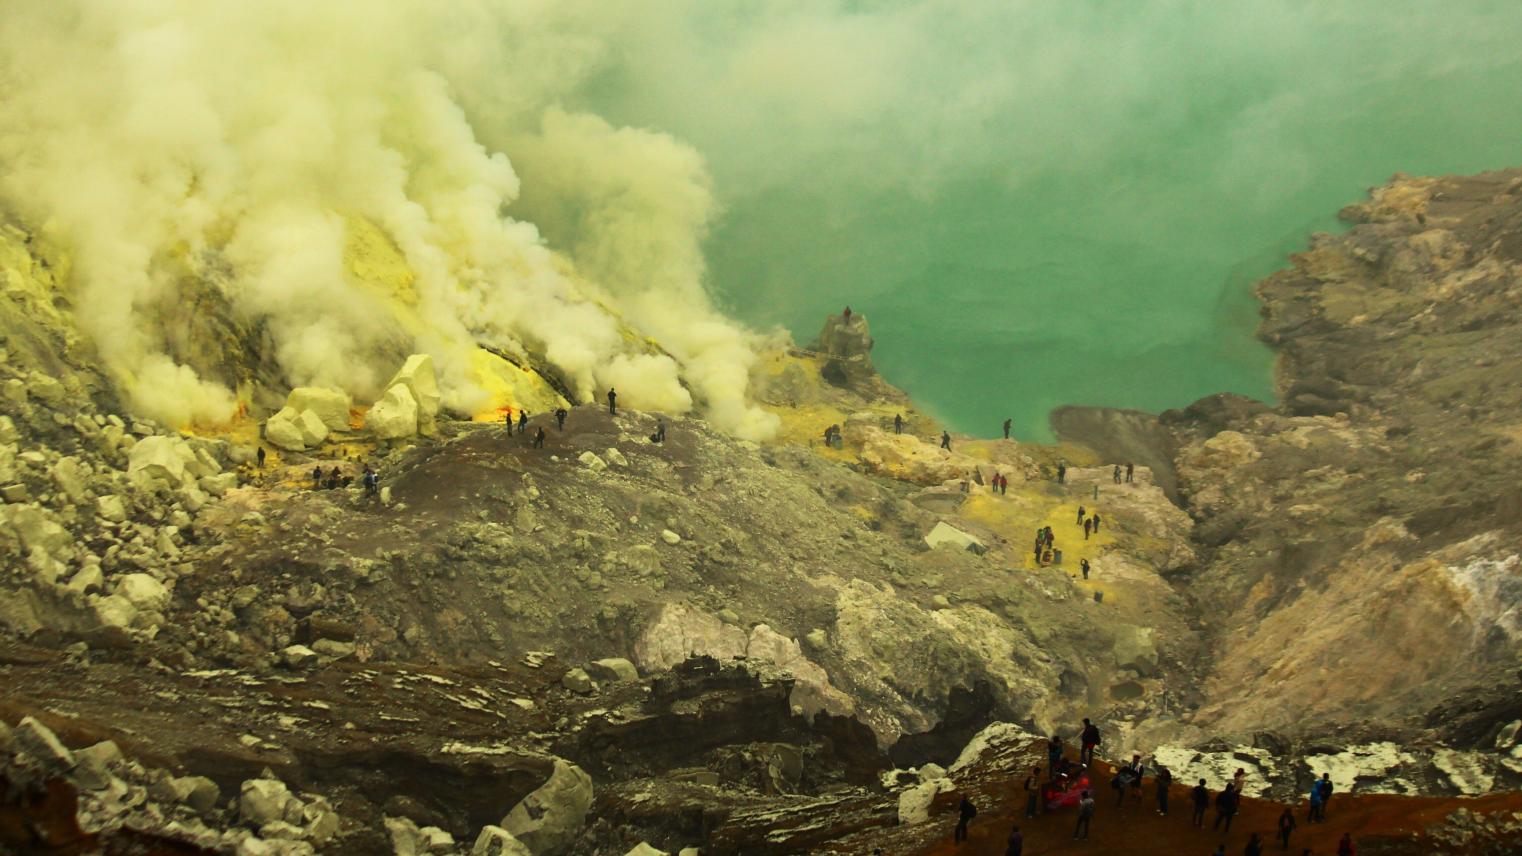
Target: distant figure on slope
(1088, 527)
(261, 454)
(1200, 796)
(1162, 781)
(660, 430)
(1062, 472)
(846, 315)
(507, 419)
(1116, 474)
(1089, 739)
(1015, 845)
(1083, 565)
(1345, 846)
(1003, 484)
(522, 419)
(1095, 518)
(965, 813)
(1033, 788)
(1286, 826)
(612, 402)
(1085, 815)
(1081, 511)
(317, 478)
(1130, 471)
(945, 441)
(560, 415)
(1006, 429)
(898, 423)
(1225, 808)
(539, 438)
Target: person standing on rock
(1088, 740)
(965, 813)
(1033, 788)
(1116, 474)
(1225, 808)
(945, 441)
(539, 438)
(1286, 826)
(1015, 844)
(1200, 796)
(1085, 815)
(1006, 429)
(560, 415)
(898, 423)
(1083, 565)
(1130, 471)
(1162, 781)
(612, 402)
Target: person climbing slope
(560, 415)
(945, 441)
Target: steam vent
(693, 429)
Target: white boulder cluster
(410, 404)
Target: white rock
(418, 377)
(436, 840)
(548, 820)
(328, 404)
(321, 820)
(69, 475)
(670, 537)
(931, 772)
(616, 458)
(111, 507)
(37, 529)
(496, 841)
(92, 770)
(680, 631)
(159, 462)
(88, 579)
(644, 849)
(592, 462)
(218, 484)
(577, 681)
(406, 838)
(284, 431)
(394, 415)
(143, 592)
(914, 803)
(613, 669)
(114, 611)
(299, 657)
(945, 533)
(266, 801)
(39, 741)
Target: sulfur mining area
(343, 625)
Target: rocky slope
(611, 642)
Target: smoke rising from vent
(176, 142)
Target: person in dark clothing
(846, 315)
(1053, 755)
(1162, 781)
(1119, 781)
(660, 430)
(1083, 565)
(1345, 846)
(1088, 739)
(1085, 815)
(1286, 826)
(1254, 846)
(539, 438)
(1088, 527)
(612, 402)
(522, 420)
(1033, 790)
(507, 419)
(1062, 473)
(1081, 512)
(898, 423)
(1225, 808)
(1130, 471)
(1116, 474)
(1015, 844)
(1006, 429)
(560, 415)
(1324, 788)
(1095, 518)
(945, 441)
(1200, 796)
(965, 813)
(335, 478)
(261, 457)
(316, 478)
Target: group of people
(1067, 783)
(1130, 472)
(1046, 551)
(1089, 522)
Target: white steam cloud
(175, 142)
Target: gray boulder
(496, 841)
(39, 741)
(614, 669)
(548, 820)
